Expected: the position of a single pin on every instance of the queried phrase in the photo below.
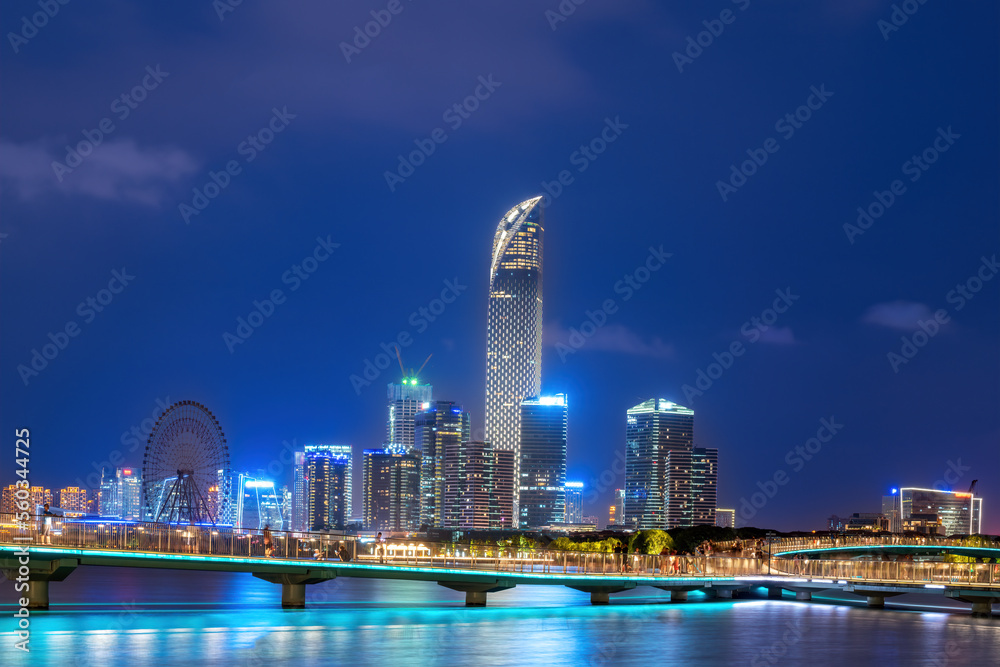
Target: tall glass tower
(654, 430)
(406, 399)
(543, 461)
(438, 426)
(514, 326)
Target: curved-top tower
(514, 326)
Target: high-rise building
(654, 428)
(437, 426)
(542, 494)
(725, 518)
(619, 507)
(73, 499)
(612, 519)
(121, 494)
(958, 513)
(37, 497)
(406, 399)
(891, 511)
(470, 500)
(504, 486)
(574, 502)
(300, 494)
(342, 453)
(514, 325)
(257, 503)
(392, 489)
(690, 482)
(326, 502)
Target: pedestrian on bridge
(268, 545)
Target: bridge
(296, 561)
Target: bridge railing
(116, 534)
(928, 573)
(785, 544)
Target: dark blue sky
(212, 84)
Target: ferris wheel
(185, 470)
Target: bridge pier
(803, 595)
(602, 594)
(39, 574)
(773, 593)
(475, 592)
(678, 596)
(724, 593)
(293, 586)
(876, 601)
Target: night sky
(866, 97)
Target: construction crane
(972, 487)
(412, 374)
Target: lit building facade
(37, 496)
(891, 511)
(406, 399)
(470, 498)
(514, 325)
(326, 501)
(542, 481)
(438, 426)
(574, 502)
(725, 518)
(257, 503)
(73, 499)
(392, 490)
(959, 513)
(690, 482)
(121, 494)
(300, 494)
(654, 429)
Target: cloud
(902, 315)
(119, 170)
(778, 336)
(609, 338)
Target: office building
(328, 473)
(725, 518)
(438, 426)
(391, 490)
(619, 507)
(691, 478)
(300, 494)
(891, 511)
(406, 399)
(257, 503)
(121, 494)
(542, 493)
(574, 502)
(344, 454)
(959, 513)
(470, 493)
(654, 429)
(514, 325)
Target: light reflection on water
(111, 616)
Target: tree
(651, 541)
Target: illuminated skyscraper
(73, 499)
(543, 461)
(574, 502)
(405, 401)
(437, 426)
(328, 474)
(391, 489)
(653, 429)
(514, 326)
(343, 454)
(121, 494)
(300, 494)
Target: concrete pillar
(600, 597)
(678, 596)
(38, 594)
(984, 609)
(803, 595)
(293, 596)
(475, 598)
(876, 601)
(725, 593)
(774, 593)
